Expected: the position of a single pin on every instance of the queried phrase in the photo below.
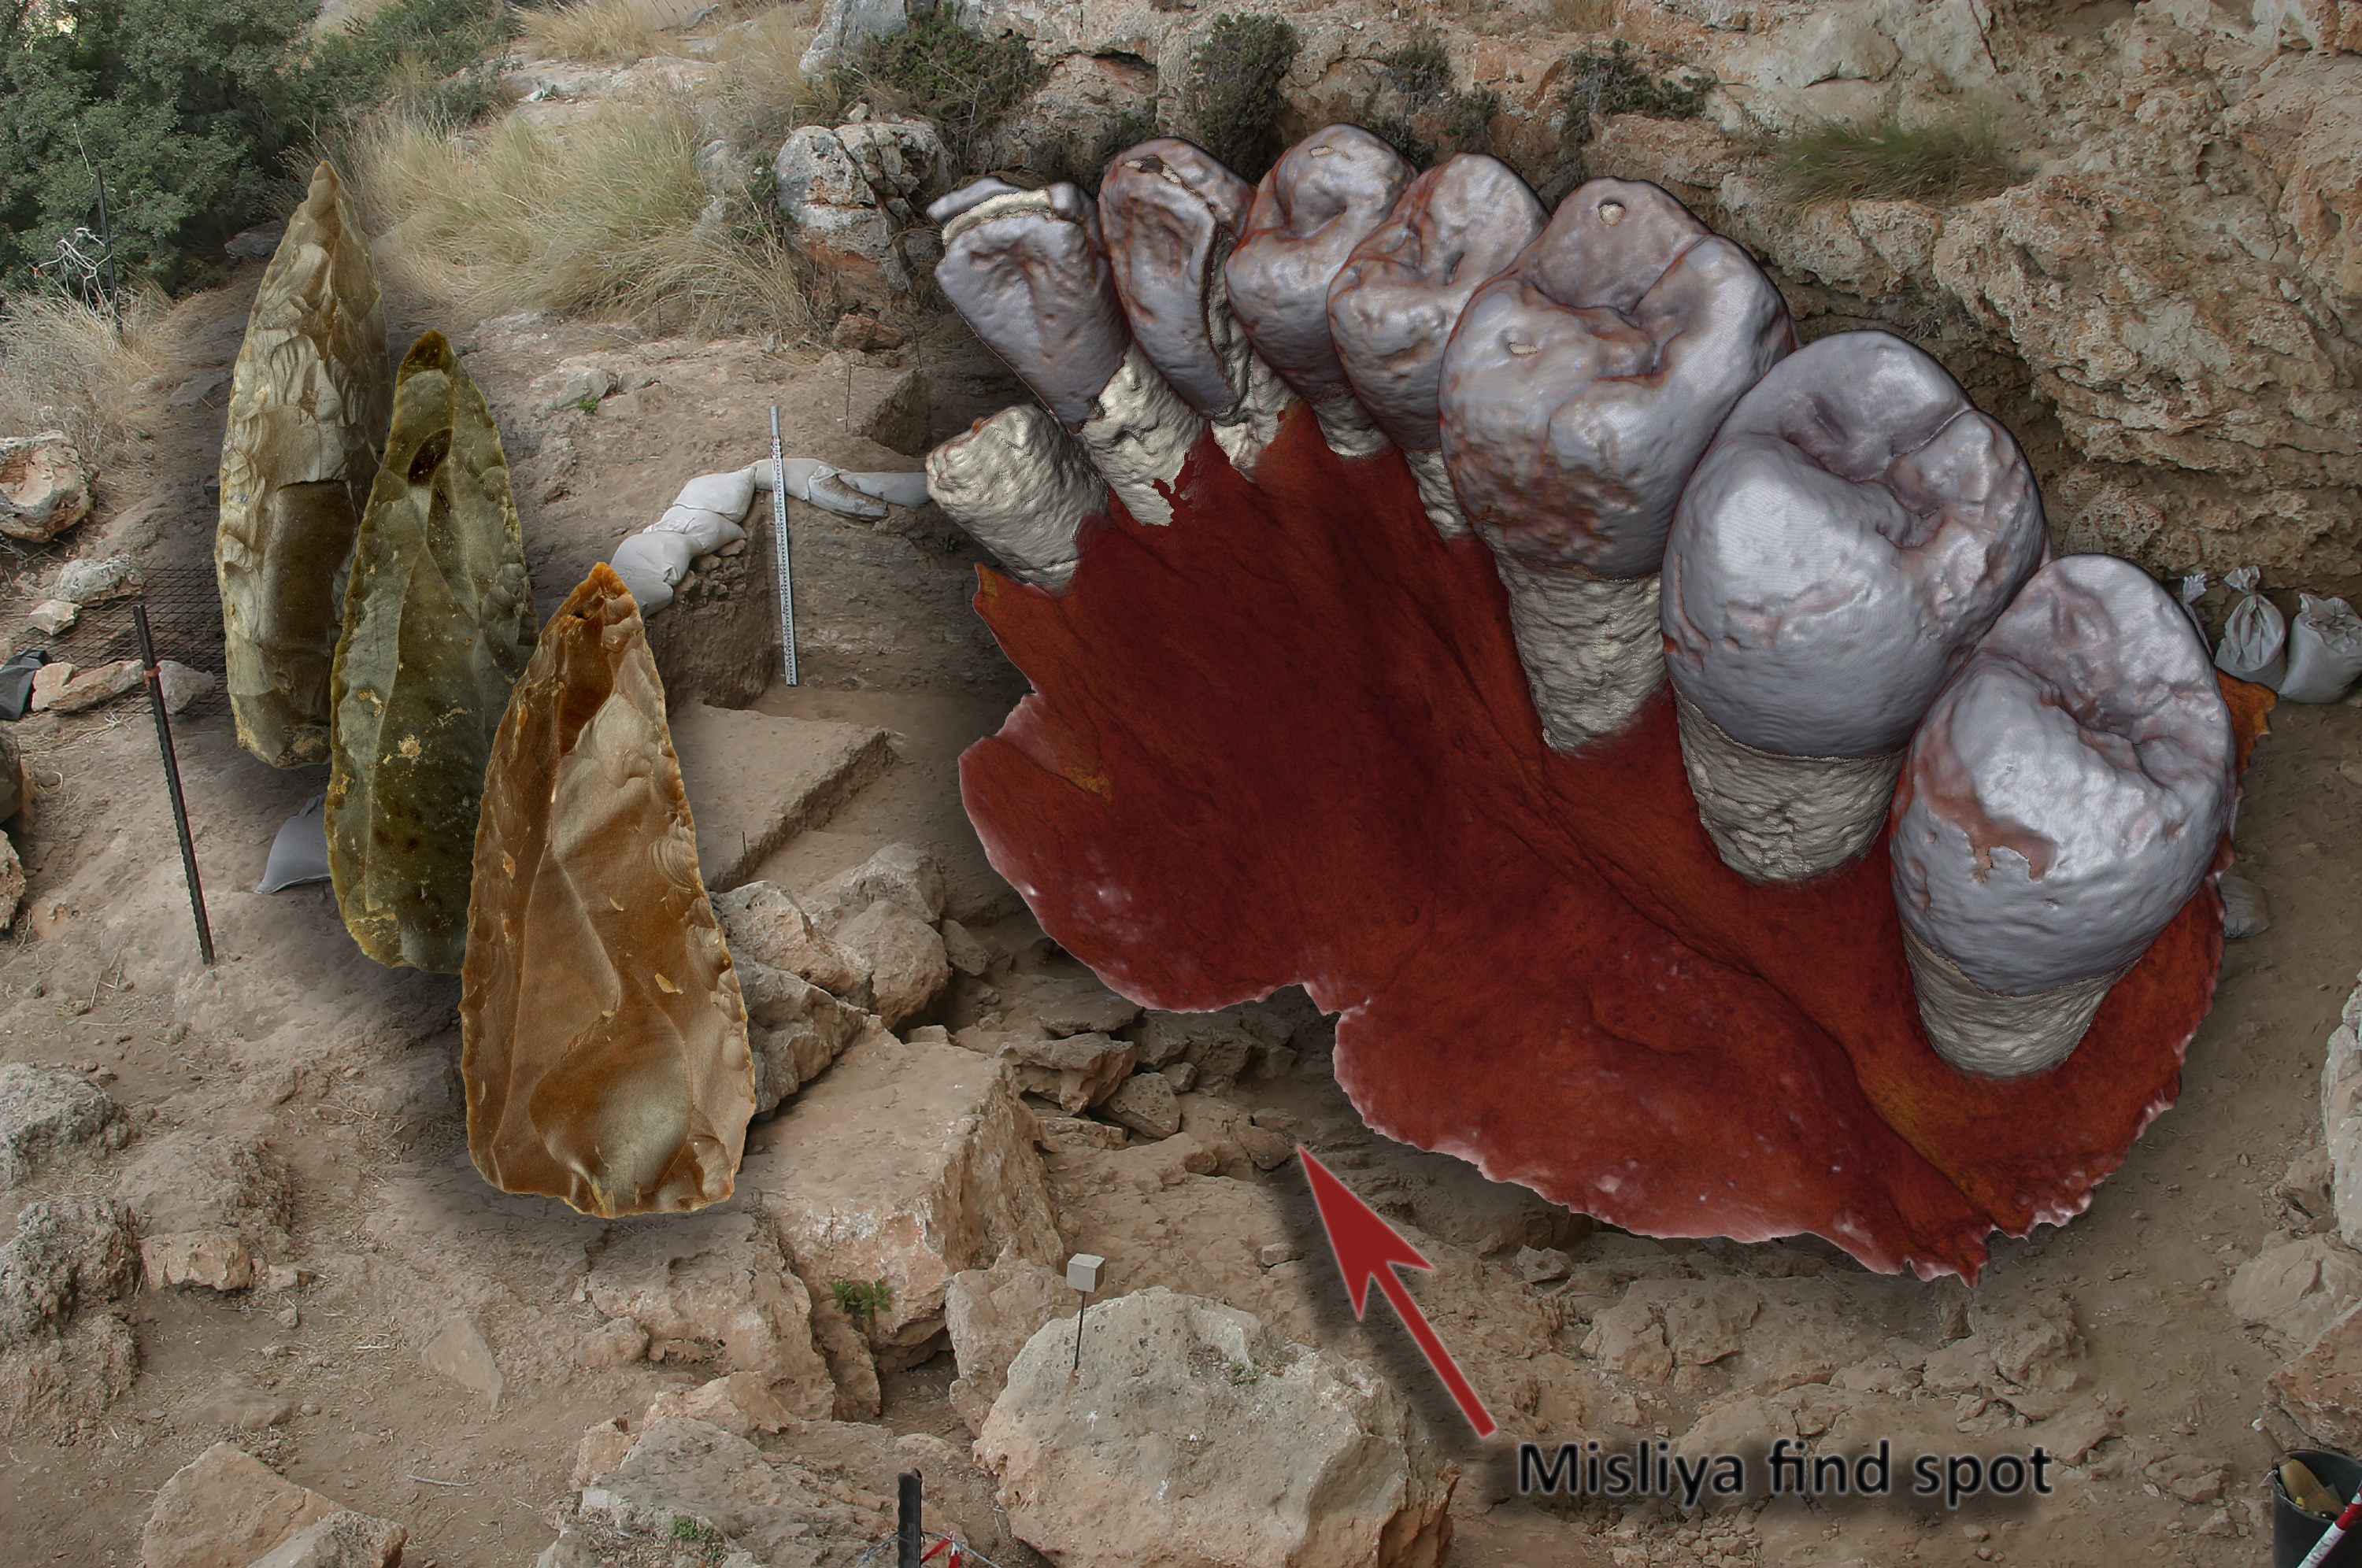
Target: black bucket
(2296, 1532)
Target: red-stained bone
(1287, 739)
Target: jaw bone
(1578, 391)
(1320, 201)
(1395, 303)
(1854, 528)
(1027, 271)
(2064, 797)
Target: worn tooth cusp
(1393, 304)
(1320, 201)
(2063, 799)
(1855, 527)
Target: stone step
(755, 781)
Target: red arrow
(1368, 1248)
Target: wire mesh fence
(183, 604)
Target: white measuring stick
(779, 545)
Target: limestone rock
(90, 687)
(848, 24)
(1077, 1071)
(12, 881)
(44, 486)
(52, 617)
(2322, 1387)
(1076, 1006)
(12, 779)
(604, 1043)
(48, 681)
(1217, 1044)
(740, 1403)
(906, 1164)
(97, 579)
(69, 1253)
(908, 969)
(438, 615)
(967, 951)
(899, 874)
(2341, 1116)
(1628, 1339)
(224, 1510)
(458, 1352)
(990, 1314)
(1293, 1456)
(209, 1206)
(717, 1286)
(776, 1508)
(853, 194)
(763, 921)
(309, 405)
(1147, 1105)
(47, 1112)
(182, 684)
(2298, 1288)
(794, 1030)
(343, 1540)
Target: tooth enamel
(1578, 390)
(1246, 430)
(1318, 203)
(1021, 486)
(1171, 213)
(1392, 305)
(1027, 271)
(1854, 527)
(2062, 800)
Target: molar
(2062, 801)
(1855, 527)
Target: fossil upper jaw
(1584, 382)
(1318, 202)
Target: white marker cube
(1082, 1271)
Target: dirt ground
(348, 1071)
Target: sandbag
(2193, 589)
(2255, 634)
(299, 851)
(2325, 651)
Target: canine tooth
(1021, 486)
(2063, 798)
(1318, 203)
(1577, 393)
(1393, 302)
(1854, 528)
(1027, 271)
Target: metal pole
(1079, 1308)
(779, 548)
(906, 1537)
(172, 781)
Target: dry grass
(605, 218)
(760, 92)
(1886, 160)
(600, 32)
(69, 366)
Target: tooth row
(1855, 526)
(2062, 800)
(1853, 583)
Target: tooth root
(1139, 436)
(2063, 798)
(1588, 645)
(1434, 481)
(1028, 273)
(1321, 199)
(1855, 526)
(1781, 819)
(1021, 486)
(1252, 423)
(1348, 429)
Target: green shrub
(1616, 82)
(861, 1301)
(963, 82)
(1233, 93)
(189, 110)
(1886, 160)
(1439, 120)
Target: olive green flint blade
(438, 620)
(309, 401)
